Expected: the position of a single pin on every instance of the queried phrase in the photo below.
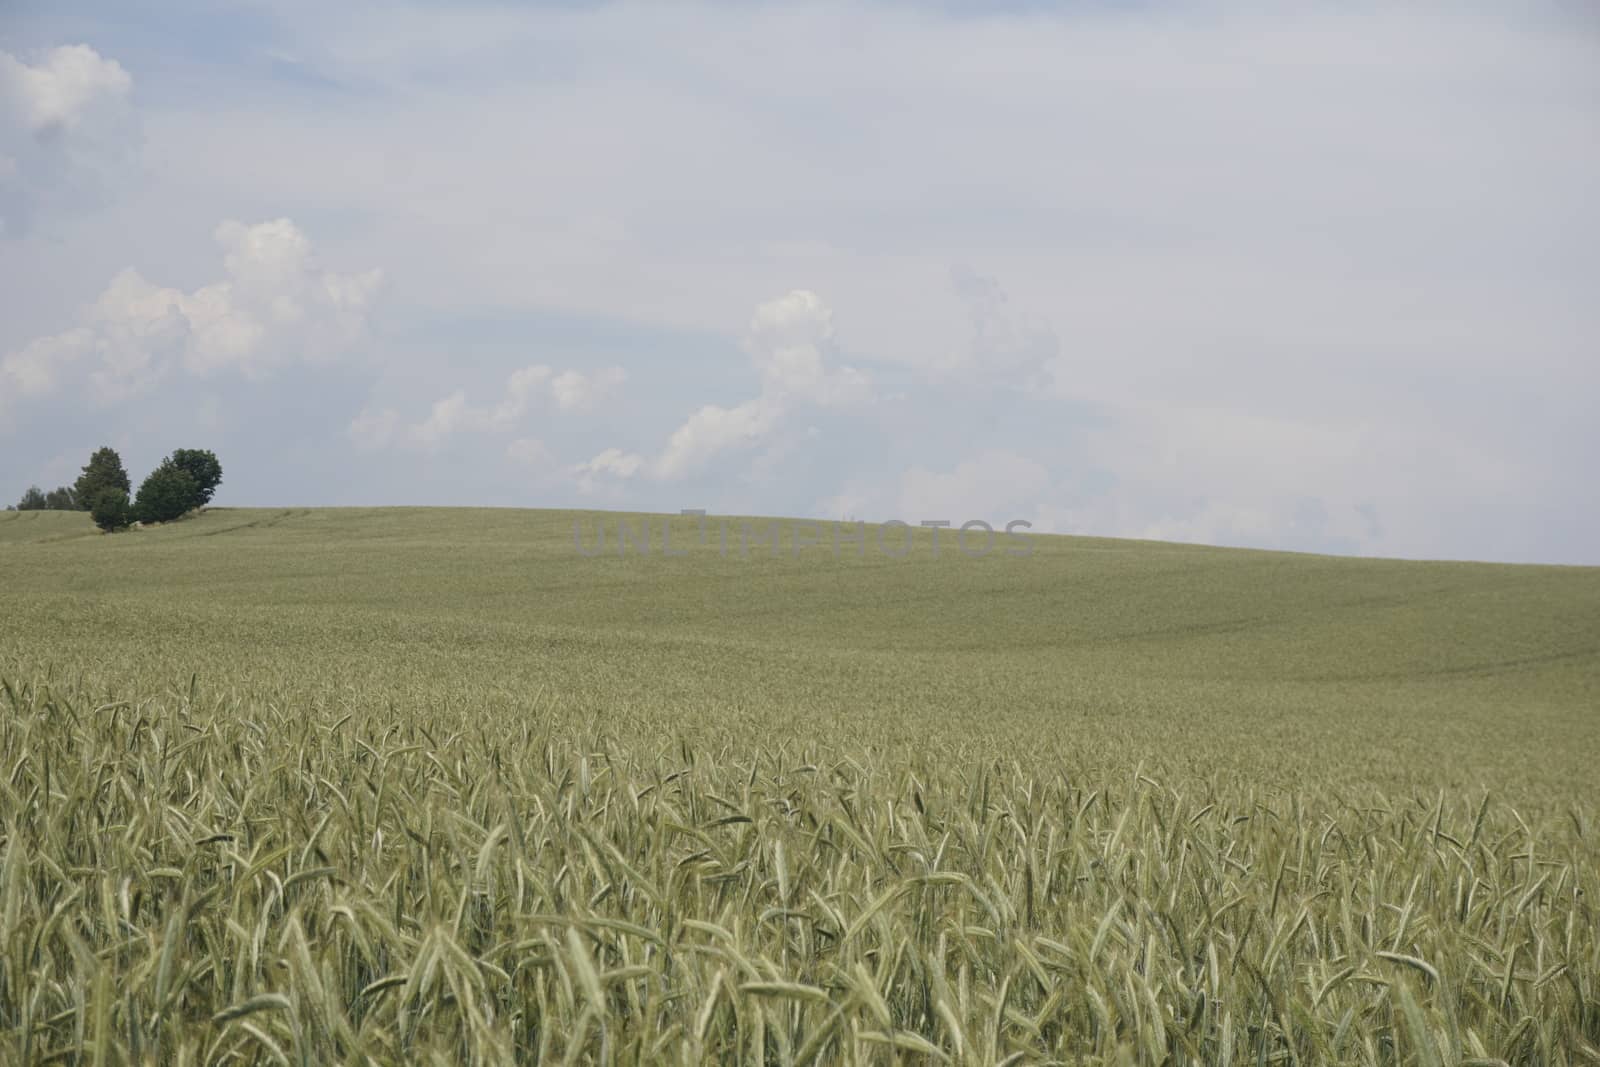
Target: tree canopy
(168, 492)
(103, 471)
(110, 510)
(201, 465)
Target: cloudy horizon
(1311, 276)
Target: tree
(203, 467)
(103, 471)
(32, 500)
(61, 498)
(166, 494)
(110, 510)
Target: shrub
(166, 494)
(110, 510)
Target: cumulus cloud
(613, 461)
(715, 429)
(521, 387)
(790, 339)
(791, 342)
(66, 84)
(38, 367)
(570, 390)
(276, 304)
(65, 128)
(274, 307)
(576, 391)
(444, 419)
(605, 469)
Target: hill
(432, 786)
(1272, 664)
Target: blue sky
(1308, 276)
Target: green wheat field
(345, 786)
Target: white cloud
(69, 82)
(601, 472)
(790, 339)
(570, 390)
(138, 330)
(275, 307)
(39, 366)
(521, 388)
(576, 391)
(66, 132)
(613, 461)
(446, 416)
(276, 303)
(714, 429)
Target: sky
(1308, 276)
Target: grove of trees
(182, 482)
(61, 498)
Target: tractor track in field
(263, 523)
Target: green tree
(32, 500)
(110, 510)
(103, 471)
(166, 494)
(61, 498)
(203, 467)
